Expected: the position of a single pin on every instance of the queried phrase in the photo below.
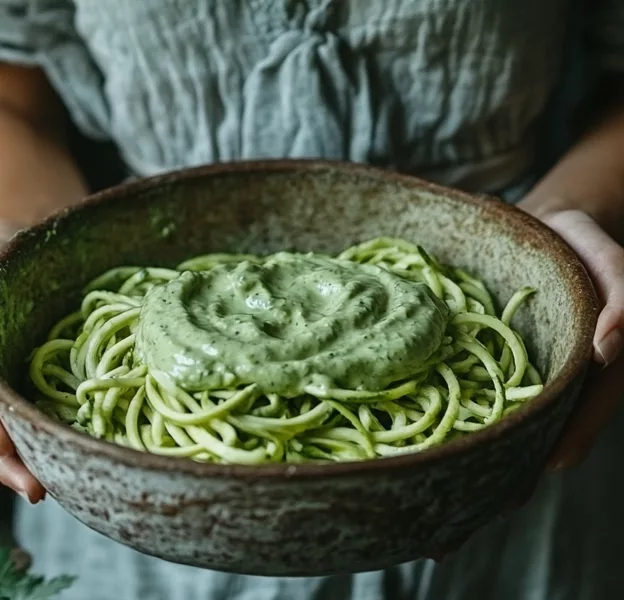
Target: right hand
(38, 176)
(13, 473)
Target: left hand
(604, 261)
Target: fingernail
(610, 346)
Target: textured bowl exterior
(292, 519)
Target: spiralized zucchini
(87, 375)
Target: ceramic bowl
(303, 519)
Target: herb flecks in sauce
(293, 321)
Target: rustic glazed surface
(287, 519)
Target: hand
(604, 260)
(38, 176)
(13, 473)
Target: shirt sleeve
(43, 33)
(15, 43)
(606, 34)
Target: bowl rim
(539, 235)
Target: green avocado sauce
(290, 322)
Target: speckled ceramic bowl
(287, 519)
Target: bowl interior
(264, 208)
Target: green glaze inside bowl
(320, 208)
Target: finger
(6, 447)
(14, 475)
(603, 396)
(604, 259)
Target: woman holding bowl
(461, 92)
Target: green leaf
(20, 585)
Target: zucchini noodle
(88, 375)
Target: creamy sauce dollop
(289, 322)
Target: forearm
(37, 173)
(590, 177)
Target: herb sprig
(19, 584)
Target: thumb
(604, 260)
